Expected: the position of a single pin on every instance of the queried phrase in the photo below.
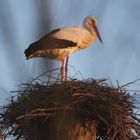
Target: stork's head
(90, 24)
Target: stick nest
(40, 108)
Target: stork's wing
(59, 38)
(64, 37)
(52, 41)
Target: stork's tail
(26, 52)
(30, 51)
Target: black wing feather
(48, 42)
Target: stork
(62, 42)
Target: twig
(130, 83)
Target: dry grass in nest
(41, 107)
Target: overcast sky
(23, 22)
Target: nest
(43, 111)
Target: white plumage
(76, 34)
(60, 43)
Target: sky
(24, 22)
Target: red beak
(98, 34)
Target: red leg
(62, 70)
(66, 69)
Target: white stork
(60, 43)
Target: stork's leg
(66, 69)
(62, 70)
